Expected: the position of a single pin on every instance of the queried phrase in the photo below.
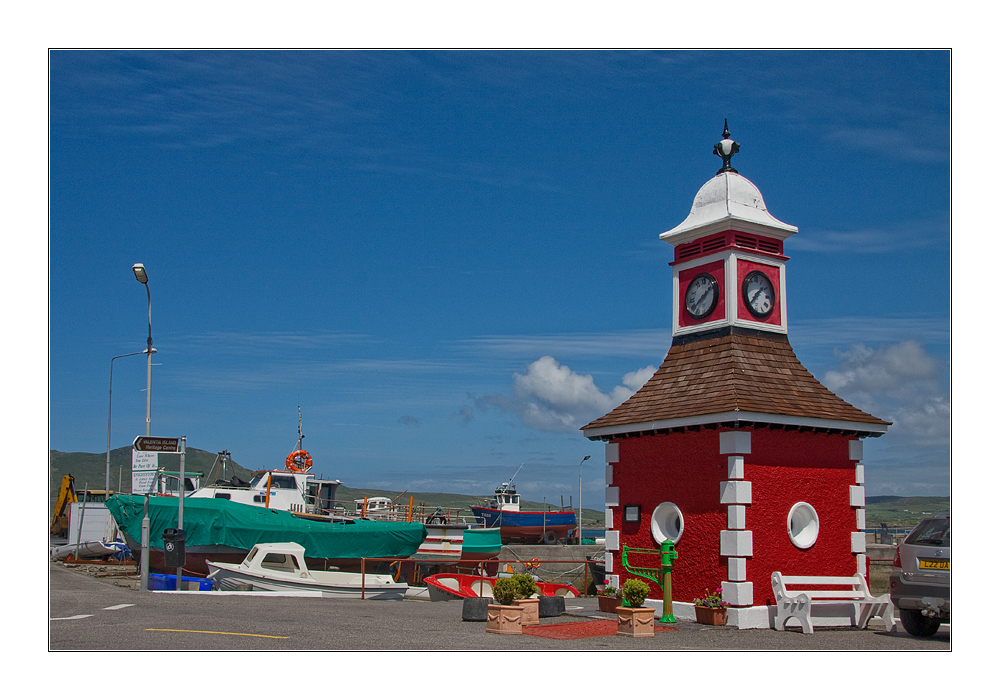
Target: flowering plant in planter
(712, 600)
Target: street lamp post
(579, 524)
(107, 469)
(140, 274)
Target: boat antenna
(300, 430)
(511, 482)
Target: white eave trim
(686, 234)
(731, 416)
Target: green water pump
(659, 576)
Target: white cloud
(553, 398)
(901, 383)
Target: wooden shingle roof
(746, 377)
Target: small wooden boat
(281, 566)
(451, 586)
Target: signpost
(145, 454)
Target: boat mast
(300, 430)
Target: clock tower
(732, 450)
(729, 262)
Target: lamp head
(140, 273)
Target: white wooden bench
(797, 596)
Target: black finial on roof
(726, 149)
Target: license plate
(935, 564)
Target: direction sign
(145, 443)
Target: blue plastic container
(166, 582)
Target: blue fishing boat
(504, 511)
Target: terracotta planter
(607, 603)
(710, 616)
(504, 619)
(636, 622)
(530, 614)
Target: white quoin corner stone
(611, 540)
(609, 474)
(734, 442)
(611, 496)
(737, 569)
(859, 473)
(737, 593)
(857, 496)
(611, 452)
(858, 543)
(735, 467)
(609, 518)
(735, 492)
(855, 451)
(737, 517)
(736, 543)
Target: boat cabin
(281, 490)
(506, 497)
(286, 557)
(372, 507)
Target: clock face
(701, 296)
(758, 294)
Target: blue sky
(451, 260)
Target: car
(920, 582)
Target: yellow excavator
(60, 518)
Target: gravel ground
(90, 610)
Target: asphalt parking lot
(87, 613)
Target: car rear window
(933, 531)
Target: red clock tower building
(732, 449)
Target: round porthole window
(667, 523)
(803, 525)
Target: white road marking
(119, 607)
(75, 617)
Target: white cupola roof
(727, 202)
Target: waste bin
(173, 548)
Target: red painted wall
(785, 467)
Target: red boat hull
(447, 585)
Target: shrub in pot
(504, 617)
(525, 589)
(635, 591)
(633, 619)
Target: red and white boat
(448, 586)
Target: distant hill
(895, 511)
(903, 511)
(88, 469)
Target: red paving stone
(580, 630)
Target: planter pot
(474, 609)
(504, 619)
(608, 604)
(551, 605)
(710, 616)
(636, 622)
(530, 614)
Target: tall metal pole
(140, 274)
(107, 469)
(180, 508)
(139, 270)
(579, 523)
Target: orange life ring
(299, 461)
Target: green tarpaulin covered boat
(220, 530)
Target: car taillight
(895, 562)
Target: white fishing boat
(280, 566)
